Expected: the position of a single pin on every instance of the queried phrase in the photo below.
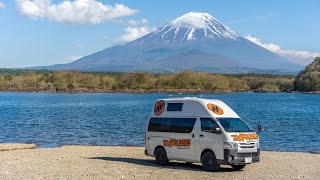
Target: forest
(186, 82)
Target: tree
(308, 80)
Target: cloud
(2, 5)
(143, 21)
(80, 45)
(133, 33)
(297, 56)
(270, 46)
(73, 58)
(73, 12)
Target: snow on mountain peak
(191, 26)
(193, 20)
(202, 23)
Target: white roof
(197, 107)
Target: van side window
(174, 107)
(175, 125)
(208, 125)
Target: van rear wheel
(237, 167)
(209, 162)
(161, 157)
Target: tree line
(186, 81)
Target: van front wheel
(161, 157)
(237, 167)
(209, 162)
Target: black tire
(209, 162)
(161, 157)
(238, 167)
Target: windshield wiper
(244, 131)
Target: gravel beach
(24, 161)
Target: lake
(51, 120)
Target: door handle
(192, 135)
(201, 135)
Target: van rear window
(174, 107)
(176, 125)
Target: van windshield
(234, 125)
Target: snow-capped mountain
(191, 26)
(194, 41)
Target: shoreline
(36, 146)
(154, 91)
(129, 162)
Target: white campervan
(198, 130)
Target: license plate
(248, 160)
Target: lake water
(292, 121)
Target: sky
(46, 32)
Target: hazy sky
(45, 32)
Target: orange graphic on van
(215, 109)
(159, 108)
(242, 137)
(177, 142)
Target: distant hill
(308, 80)
(194, 41)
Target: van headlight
(258, 145)
(230, 145)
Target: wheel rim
(210, 162)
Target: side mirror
(260, 128)
(216, 130)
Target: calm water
(292, 121)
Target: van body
(198, 130)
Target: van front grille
(247, 145)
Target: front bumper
(231, 156)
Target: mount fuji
(194, 41)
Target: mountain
(308, 80)
(194, 41)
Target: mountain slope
(194, 41)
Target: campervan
(197, 130)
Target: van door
(185, 148)
(181, 144)
(209, 138)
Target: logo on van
(215, 109)
(242, 137)
(180, 143)
(159, 108)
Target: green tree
(308, 80)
